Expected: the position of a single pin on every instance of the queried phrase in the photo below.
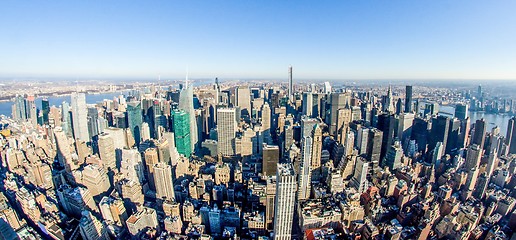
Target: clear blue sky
(353, 39)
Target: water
(6, 107)
(500, 120)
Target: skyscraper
(317, 147)
(290, 85)
(271, 155)
(510, 138)
(135, 120)
(186, 103)
(284, 204)
(266, 122)
(182, 132)
(479, 135)
(91, 228)
(408, 99)
(306, 169)
(226, 131)
(439, 132)
(243, 99)
(79, 117)
(45, 109)
(163, 181)
(461, 111)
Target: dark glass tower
(181, 125)
(479, 135)
(408, 99)
(45, 109)
(135, 120)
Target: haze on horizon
(327, 40)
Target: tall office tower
(479, 92)
(93, 121)
(186, 103)
(439, 131)
(337, 101)
(290, 85)
(151, 159)
(79, 117)
(182, 132)
(226, 131)
(135, 120)
(405, 123)
(317, 147)
(266, 123)
(131, 165)
(91, 228)
(307, 126)
(461, 111)
(107, 151)
(359, 179)
(492, 161)
(408, 99)
(473, 156)
(327, 87)
(454, 133)
(270, 192)
(437, 154)
(163, 181)
(387, 124)
(64, 151)
(243, 100)
(216, 90)
(479, 135)
(393, 157)
(305, 174)
(271, 155)
(32, 112)
(19, 109)
(284, 205)
(308, 103)
(387, 102)
(344, 117)
(510, 137)
(131, 192)
(45, 109)
(66, 117)
(349, 143)
(374, 147)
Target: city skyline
(330, 40)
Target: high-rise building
(305, 174)
(45, 110)
(243, 100)
(317, 147)
(91, 228)
(359, 179)
(461, 111)
(439, 132)
(479, 135)
(374, 146)
(226, 131)
(163, 181)
(510, 138)
(93, 121)
(266, 122)
(145, 218)
(186, 103)
(473, 156)
(182, 132)
(284, 205)
(337, 101)
(408, 99)
(271, 155)
(135, 120)
(290, 85)
(113, 210)
(79, 117)
(107, 151)
(308, 104)
(393, 157)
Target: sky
(355, 39)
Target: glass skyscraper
(181, 126)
